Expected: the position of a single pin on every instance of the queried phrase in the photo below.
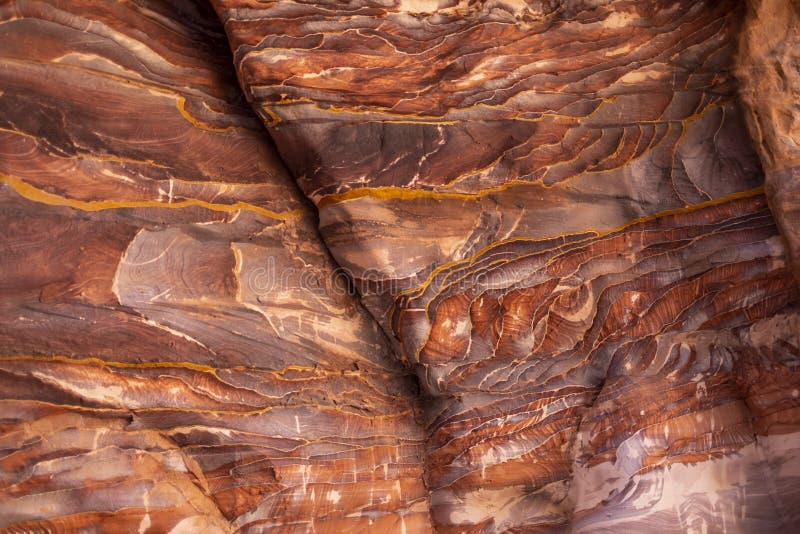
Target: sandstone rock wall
(399, 266)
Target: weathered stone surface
(526, 122)
(177, 353)
(579, 313)
(768, 66)
(555, 209)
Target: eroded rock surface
(579, 311)
(177, 353)
(768, 66)
(555, 209)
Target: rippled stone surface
(525, 123)
(579, 313)
(555, 209)
(176, 352)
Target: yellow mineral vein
(35, 194)
(418, 290)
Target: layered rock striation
(555, 209)
(540, 285)
(177, 352)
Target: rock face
(544, 292)
(769, 69)
(178, 353)
(555, 209)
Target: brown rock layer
(552, 213)
(555, 210)
(528, 122)
(177, 354)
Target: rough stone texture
(579, 312)
(768, 67)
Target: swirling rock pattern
(554, 208)
(579, 313)
(177, 354)
(499, 120)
